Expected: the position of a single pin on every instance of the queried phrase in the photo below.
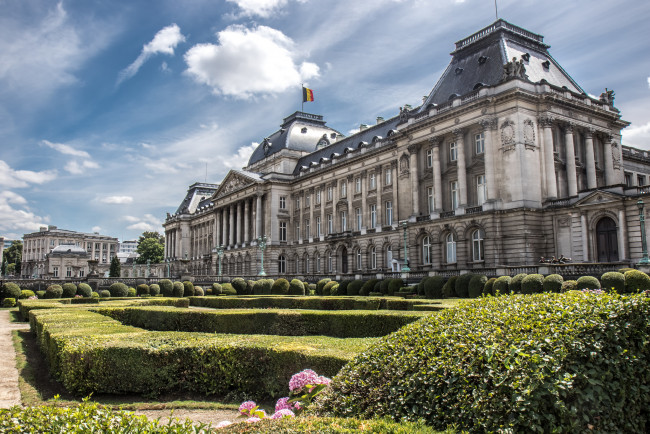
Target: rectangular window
(357, 185)
(307, 228)
(453, 151)
(330, 192)
(389, 176)
(373, 181)
(308, 200)
(81, 273)
(330, 263)
(479, 142)
(430, 199)
(344, 221)
(68, 272)
(429, 158)
(373, 216)
(330, 224)
(283, 202)
(318, 231)
(297, 230)
(55, 271)
(297, 203)
(640, 180)
(357, 211)
(481, 191)
(389, 213)
(318, 196)
(283, 231)
(628, 180)
(454, 194)
(344, 189)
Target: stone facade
(506, 161)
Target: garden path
(9, 391)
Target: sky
(109, 110)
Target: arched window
(358, 258)
(317, 261)
(426, 251)
(451, 248)
(330, 263)
(477, 245)
(307, 264)
(297, 261)
(282, 264)
(373, 258)
(389, 256)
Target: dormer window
(546, 64)
(333, 136)
(453, 96)
(304, 130)
(526, 56)
(321, 144)
(459, 71)
(482, 60)
(478, 85)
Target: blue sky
(110, 110)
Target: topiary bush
(296, 287)
(383, 286)
(118, 289)
(553, 283)
(131, 292)
(26, 293)
(178, 289)
(343, 287)
(280, 287)
(104, 293)
(154, 289)
(95, 294)
(188, 289)
(249, 286)
(263, 286)
(9, 302)
(216, 288)
(335, 289)
(198, 291)
(354, 287)
(69, 290)
(476, 285)
(433, 286)
(84, 290)
(515, 283)
(569, 285)
(40, 294)
(636, 280)
(501, 285)
(587, 282)
(327, 289)
(613, 281)
(320, 285)
(54, 291)
(240, 285)
(395, 285)
(368, 287)
(166, 287)
(10, 290)
(489, 285)
(462, 285)
(532, 284)
(571, 362)
(142, 289)
(449, 288)
(227, 289)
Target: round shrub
(198, 291)
(26, 293)
(449, 288)
(227, 289)
(501, 285)
(327, 289)
(462, 285)
(532, 284)
(487, 288)
(395, 285)
(296, 287)
(216, 288)
(263, 286)
(188, 289)
(154, 289)
(9, 302)
(84, 290)
(280, 286)
(569, 285)
(249, 287)
(354, 287)
(515, 283)
(383, 286)
(320, 285)
(433, 286)
(613, 281)
(118, 289)
(476, 285)
(368, 287)
(343, 287)
(550, 372)
(587, 282)
(636, 280)
(178, 289)
(54, 291)
(10, 290)
(334, 290)
(240, 285)
(69, 290)
(142, 289)
(553, 283)
(95, 294)
(131, 292)
(104, 293)
(166, 287)
(40, 294)
(625, 270)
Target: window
(479, 142)
(307, 228)
(308, 199)
(429, 158)
(451, 249)
(640, 180)
(344, 188)
(297, 229)
(358, 258)
(373, 216)
(283, 231)
(282, 264)
(330, 224)
(317, 261)
(330, 263)
(481, 191)
(357, 212)
(373, 258)
(297, 203)
(283, 202)
(318, 231)
(68, 272)
(389, 256)
(426, 251)
(389, 176)
(453, 151)
(477, 245)
(454, 194)
(357, 185)
(81, 273)
(373, 181)
(318, 195)
(344, 221)
(628, 180)
(389, 213)
(307, 264)
(55, 271)
(297, 264)
(330, 192)
(430, 199)
(104, 258)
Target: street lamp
(644, 260)
(405, 267)
(220, 250)
(261, 244)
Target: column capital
(350, 177)
(546, 121)
(589, 132)
(569, 127)
(363, 173)
(435, 141)
(458, 132)
(488, 123)
(393, 164)
(413, 148)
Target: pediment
(598, 197)
(233, 182)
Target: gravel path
(9, 391)
(203, 416)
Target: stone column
(232, 241)
(350, 212)
(549, 159)
(610, 178)
(437, 175)
(240, 224)
(323, 201)
(621, 235)
(364, 200)
(217, 231)
(585, 244)
(393, 167)
(413, 163)
(224, 225)
(488, 126)
(258, 216)
(459, 137)
(312, 205)
(246, 221)
(590, 160)
(335, 195)
(301, 196)
(570, 160)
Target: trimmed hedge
(227, 289)
(573, 362)
(166, 288)
(69, 290)
(239, 285)
(515, 283)
(354, 287)
(198, 291)
(501, 285)
(368, 287)
(104, 293)
(154, 289)
(489, 285)
(26, 293)
(216, 288)
(329, 286)
(588, 282)
(477, 285)
(432, 286)
(54, 291)
(395, 285)
(296, 287)
(569, 285)
(449, 288)
(178, 289)
(262, 286)
(532, 284)
(142, 289)
(8, 302)
(320, 285)
(84, 290)
(118, 289)
(636, 280)
(553, 283)
(462, 285)
(10, 290)
(316, 303)
(188, 288)
(613, 281)
(280, 287)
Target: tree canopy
(115, 267)
(13, 255)
(150, 247)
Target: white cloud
(649, 82)
(240, 159)
(77, 168)
(17, 219)
(130, 218)
(637, 136)
(11, 178)
(142, 226)
(117, 199)
(96, 229)
(248, 61)
(262, 8)
(164, 42)
(66, 149)
(146, 223)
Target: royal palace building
(507, 160)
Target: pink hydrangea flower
(223, 423)
(282, 404)
(246, 407)
(301, 379)
(252, 420)
(282, 414)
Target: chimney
(380, 119)
(424, 98)
(51, 228)
(43, 229)
(363, 127)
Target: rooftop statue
(515, 68)
(608, 97)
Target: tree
(151, 247)
(115, 269)
(14, 255)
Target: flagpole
(302, 98)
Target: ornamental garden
(530, 353)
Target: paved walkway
(9, 391)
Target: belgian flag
(307, 94)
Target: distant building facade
(507, 160)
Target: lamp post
(405, 267)
(148, 268)
(220, 250)
(644, 246)
(261, 244)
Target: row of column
(233, 223)
(202, 238)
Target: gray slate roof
(198, 195)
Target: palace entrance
(606, 240)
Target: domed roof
(67, 249)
